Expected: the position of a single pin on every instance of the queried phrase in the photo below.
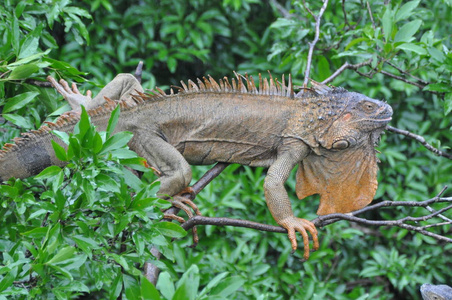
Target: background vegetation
(85, 231)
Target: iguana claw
(185, 204)
(71, 94)
(294, 224)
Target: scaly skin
(329, 132)
(436, 292)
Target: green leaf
(28, 59)
(61, 135)
(170, 229)
(283, 22)
(8, 191)
(166, 285)
(131, 288)
(116, 287)
(61, 271)
(30, 45)
(19, 101)
(113, 121)
(60, 152)
(406, 32)
(106, 183)
(213, 282)
(412, 48)
(148, 290)
(188, 284)
(22, 72)
(83, 125)
(406, 9)
(438, 87)
(387, 22)
(118, 140)
(63, 255)
(48, 172)
(447, 103)
(355, 41)
(7, 281)
(19, 121)
(228, 286)
(36, 233)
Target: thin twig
(421, 86)
(407, 73)
(344, 12)
(346, 66)
(38, 83)
(314, 42)
(421, 140)
(370, 14)
(284, 12)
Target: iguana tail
(33, 151)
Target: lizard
(329, 132)
(436, 292)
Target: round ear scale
(341, 144)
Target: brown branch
(370, 15)
(344, 12)
(322, 221)
(38, 83)
(421, 86)
(421, 140)
(407, 73)
(346, 66)
(314, 42)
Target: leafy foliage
(87, 228)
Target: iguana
(436, 292)
(329, 132)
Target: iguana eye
(340, 145)
(368, 107)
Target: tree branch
(314, 42)
(322, 221)
(346, 66)
(421, 140)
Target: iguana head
(342, 167)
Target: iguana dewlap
(329, 132)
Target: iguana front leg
(279, 203)
(72, 95)
(122, 87)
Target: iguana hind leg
(175, 172)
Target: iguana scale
(329, 132)
(436, 292)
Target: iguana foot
(294, 224)
(188, 190)
(71, 95)
(185, 204)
